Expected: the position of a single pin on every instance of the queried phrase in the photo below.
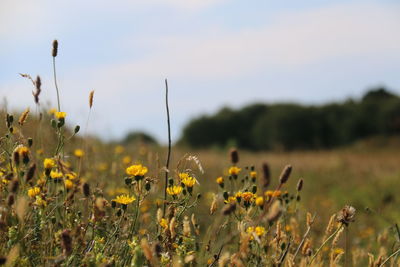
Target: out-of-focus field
(368, 179)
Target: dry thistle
(285, 174)
(55, 48)
(91, 94)
(234, 156)
(346, 215)
(23, 117)
(266, 175)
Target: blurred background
(335, 62)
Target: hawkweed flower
(40, 202)
(253, 176)
(52, 111)
(163, 223)
(21, 152)
(71, 176)
(124, 199)
(174, 190)
(49, 163)
(259, 231)
(68, 184)
(238, 196)
(60, 116)
(187, 180)
(33, 192)
(234, 171)
(271, 193)
(220, 181)
(248, 198)
(119, 150)
(56, 175)
(126, 160)
(138, 171)
(260, 202)
(79, 153)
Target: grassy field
(71, 200)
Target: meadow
(67, 199)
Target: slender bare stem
(55, 83)
(391, 256)
(169, 145)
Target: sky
(214, 53)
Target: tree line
(291, 126)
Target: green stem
(324, 243)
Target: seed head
(91, 94)
(55, 48)
(266, 175)
(66, 242)
(234, 156)
(86, 189)
(285, 174)
(300, 185)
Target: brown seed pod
(300, 185)
(234, 156)
(54, 52)
(23, 117)
(31, 172)
(86, 189)
(66, 242)
(91, 94)
(266, 175)
(10, 200)
(228, 209)
(285, 174)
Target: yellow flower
(174, 190)
(338, 251)
(230, 200)
(40, 201)
(56, 174)
(52, 111)
(119, 149)
(127, 160)
(49, 163)
(258, 230)
(220, 180)
(23, 150)
(68, 184)
(253, 174)
(238, 194)
(71, 175)
(234, 170)
(271, 193)
(187, 180)
(260, 201)
(60, 115)
(164, 223)
(33, 192)
(79, 153)
(136, 170)
(124, 199)
(247, 196)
